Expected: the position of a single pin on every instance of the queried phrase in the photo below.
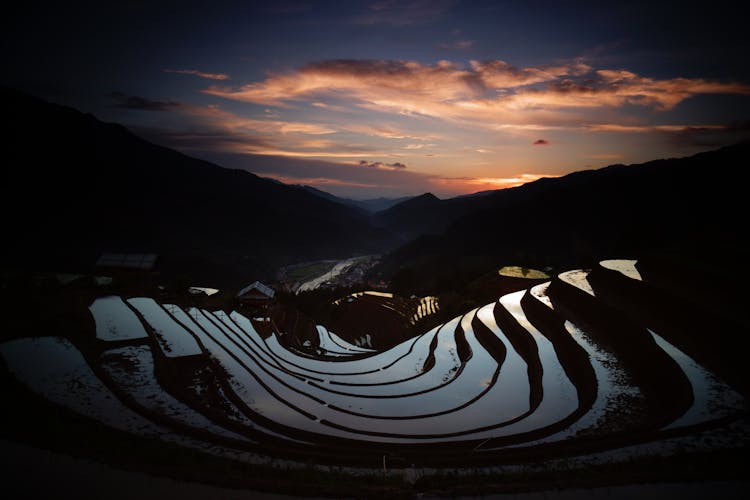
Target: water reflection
(711, 397)
(626, 267)
(578, 279)
(172, 338)
(115, 320)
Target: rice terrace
(569, 369)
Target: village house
(256, 295)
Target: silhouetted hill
(479, 194)
(74, 186)
(374, 205)
(426, 214)
(369, 206)
(689, 210)
(322, 194)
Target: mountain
(689, 210)
(370, 206)
(323, 194)
(478, 194)
(426, 214)
(74, 187)
(374, 205)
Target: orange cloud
(367, 80)
(231, 121)
(488, 94)
(500, 75)
(387, 132)
(617, 88)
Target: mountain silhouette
(688, 210)
(370, 205)
(426, 214)
(74, 187)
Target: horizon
(397, 97)
(474, 193)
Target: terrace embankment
(690, 322)
(574, 359)
(665, 386)
(523, 343)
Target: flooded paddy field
(563, 376)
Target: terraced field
(575, 366)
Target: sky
(396, 97)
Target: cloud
(208, 141)
(616, 127)
(683, 136)
(388, 132)
(209, 76)
(347, 179)
(230, 121)
(708, 136)
(141, 103)
(215, 129)
(374, 82)
(404, 12)
(333, 168)
(481, 115)
(487, 93)
(378, 164)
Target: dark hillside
(687, 210)
(74, 187)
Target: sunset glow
(462, 96)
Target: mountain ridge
(370, 205)
(662, 209)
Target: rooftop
(265, 290)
